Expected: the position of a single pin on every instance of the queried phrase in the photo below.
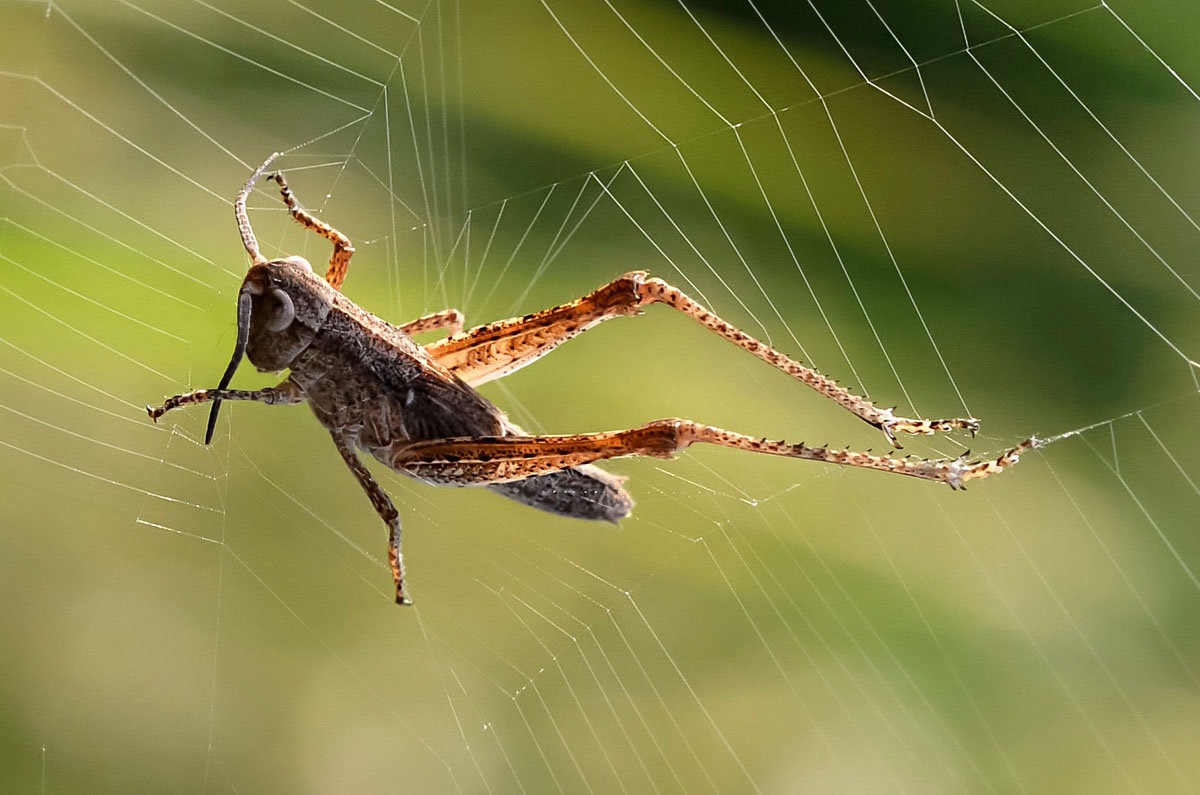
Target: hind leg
(466, 461)
(495, 350)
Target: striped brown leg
(450, 319)
(465, 461)
(284, 393)
(486, 353)
(342, 250)
(383, 506)
(497, 349)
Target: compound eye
(279, 309)
(301, 261)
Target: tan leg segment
(465, 461)
(497, 349)
(342, 250)
(446, 319)
(486, 353)
(383, 506)
(284, 393)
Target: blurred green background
(958, 208)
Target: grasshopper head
(281, 306)
(288, 304)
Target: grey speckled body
(367, 379)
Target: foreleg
(284, 393)
(339, 261)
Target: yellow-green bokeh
(182, 618)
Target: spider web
(977, 208)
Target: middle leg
(383, 506)
(450, 319)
